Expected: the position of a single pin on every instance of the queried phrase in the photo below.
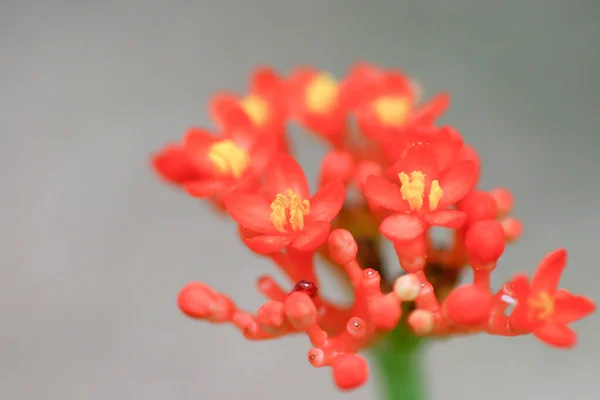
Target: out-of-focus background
(94, 248)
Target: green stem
(399, 360)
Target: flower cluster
(406, 175)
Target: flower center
(289, 209)
(392, 110)
(413, 190)
(256, 108)
(542, 306)
(321, 93)
(228, 158)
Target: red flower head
(544, 309)
(411, 176)
(264, 105)
(284, 213)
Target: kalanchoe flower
(283, 213)
(411, 176)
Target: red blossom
(420, 199)
(264, 105)
(546, 310)
(233, 160)
(315, 102)
(284, 213)
(385, 102)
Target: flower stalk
(399, 359)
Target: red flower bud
(350, 371)
(485, 243)
(342, 246)
(468, 305)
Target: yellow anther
(256, 108)
(542, 305)
(228, 158)
(435, 195)
(393, 110)
(413, 190)
(321, 93)
(289, 209)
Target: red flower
(264, 106)
(284, 214)
(233, 160)
(385, 102)
(419, 200)
(316, 103)
(421, 192)
(544, 309)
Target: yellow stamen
(289, 209)
(435, 195)
(393, 110)
(413, 190)
(228, 158)
(321, 93)
(256, 108)
(542, 305)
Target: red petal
(207, 187)
(446, 144)
(328, 201)
(419, 157)
(452, 219)
(557, 335)
(519, 318)
(222, 106)
(266, 244)
(196, 144)
(313, 236)
(548, 274)
(457, 182)
(401, 227)
(432, 110)
(520, 287)
(172, 164)
(285, 173)
(384, 193)
(468, 153)
(244, 135)
(262, 154)
(570, 308)
(265, 81)
(246, 233)
(250, 210)
(396, 82)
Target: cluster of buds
(391, 172)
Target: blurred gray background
(94, 249)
